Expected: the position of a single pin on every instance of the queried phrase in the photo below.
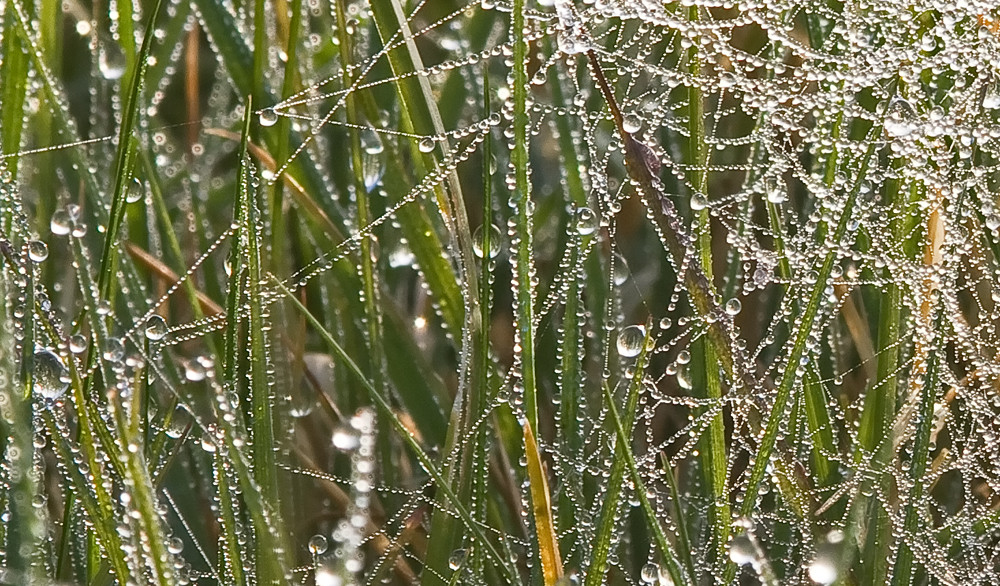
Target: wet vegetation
(499, 292)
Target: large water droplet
(38, 251)
(742, 550)
(426, 145)
(49, 375)
(456, 559)
(136, 190)
(733, 306)
(650, 573)
(60, 224)
(346, 439)
(114, 350)
(318, 545)
(631, 124)
(630, 341)
(493, 244)
(268, 117)
(587, 221)
(699, 202)
(156, 328)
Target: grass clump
(528, 292)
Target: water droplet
(49, 375)
(268, 117)
(899, 118)
(111, 63)
(683, 357)
(742, 550)
(156, 328)
(619, 270)
(630, 341)
(587, 221)
(631, 124)
(426, 145)
(114, 350)
(38, 251)
(60, 224)
(77, 344)
(136, 190)
(733, 306)
(346, 439)
(494, 243)
(318, 545)
(650, 573)
(699, 202)
(175, 545)
(456, 559)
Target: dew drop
(699, 202)
(456, 559)
(741, 550)
(318, 544)
(60, 224)
(114, 350)
(631, 124)
(619, 270)
(494, 243)
(630, 341)
(49, 375)
(77, 344)
(426, 145)
(346, 439)
(156, 328)
(268, 117)
(733, 306)
(136, 190)
(587, 221)
(38, 251)
(175, 545)
(650, 573)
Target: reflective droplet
(631, 124)
(619, 270)
(742, 550)
(156, 328)
(456, 559)
(346, 439)
(699, 202)
(77, 344)
(587, 221)
(60, 224)
(111, 63)
(175, 545)
(318, 544)
(136, 190)
(114, 350)
(630, 341)
(733, 306)
(268, 117)
(494, 243)
(426, 145)
(50, 379)
(650, 573)
(38, 251)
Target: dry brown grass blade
(299, 194)
(168, 276)
(932, 257)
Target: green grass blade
(611, 499)
(125, 160)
